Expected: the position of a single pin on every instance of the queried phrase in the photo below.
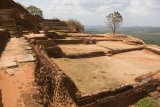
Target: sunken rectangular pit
(99, 73)
(92, 70)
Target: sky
(94, 12)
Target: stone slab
(28, 48)
(12, 71)
(8, 64)
(25, 43)
(26, 58)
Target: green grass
(148, 102)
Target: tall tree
(114, 20)
(35, 10)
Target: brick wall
(56, 89)
(23, 17)
(119, 97)
(8, 21)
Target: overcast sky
(93, 12)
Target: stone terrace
(120, 63)
(124, 59)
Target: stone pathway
(17, 51)
(17, 68)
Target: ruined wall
(56, 89)
(8, 21)
(24, 18)
(57, 25)
(154, 49)
(4, 37)
(114, 52)
(119, 97)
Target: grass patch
(148, 102)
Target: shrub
(148, 102)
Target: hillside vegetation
(150, 35)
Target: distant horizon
(122, 26)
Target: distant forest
(150, 35)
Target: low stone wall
(69, 41)
(56, 88)
(4, 37)
(85, 55)
(54, 35)
(119, 97)
(154, 49)
(45, 43)
(64, 41)
(150, 75)
(113, 52)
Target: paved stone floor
(17, 68)
(17, 51)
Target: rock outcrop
(23, 17)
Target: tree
(35, 11)
(76, 24)
(114, 20)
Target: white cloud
(145, 7)
(93, 12)
(144, 13)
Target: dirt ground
(102, 46)
(13, 86)
(115, 45)
(98, 73)
(81, 49)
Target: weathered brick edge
(56, 88)
(119, 97)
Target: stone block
(28, 48)
(8, 64)
(26, 58)
(12, 71)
